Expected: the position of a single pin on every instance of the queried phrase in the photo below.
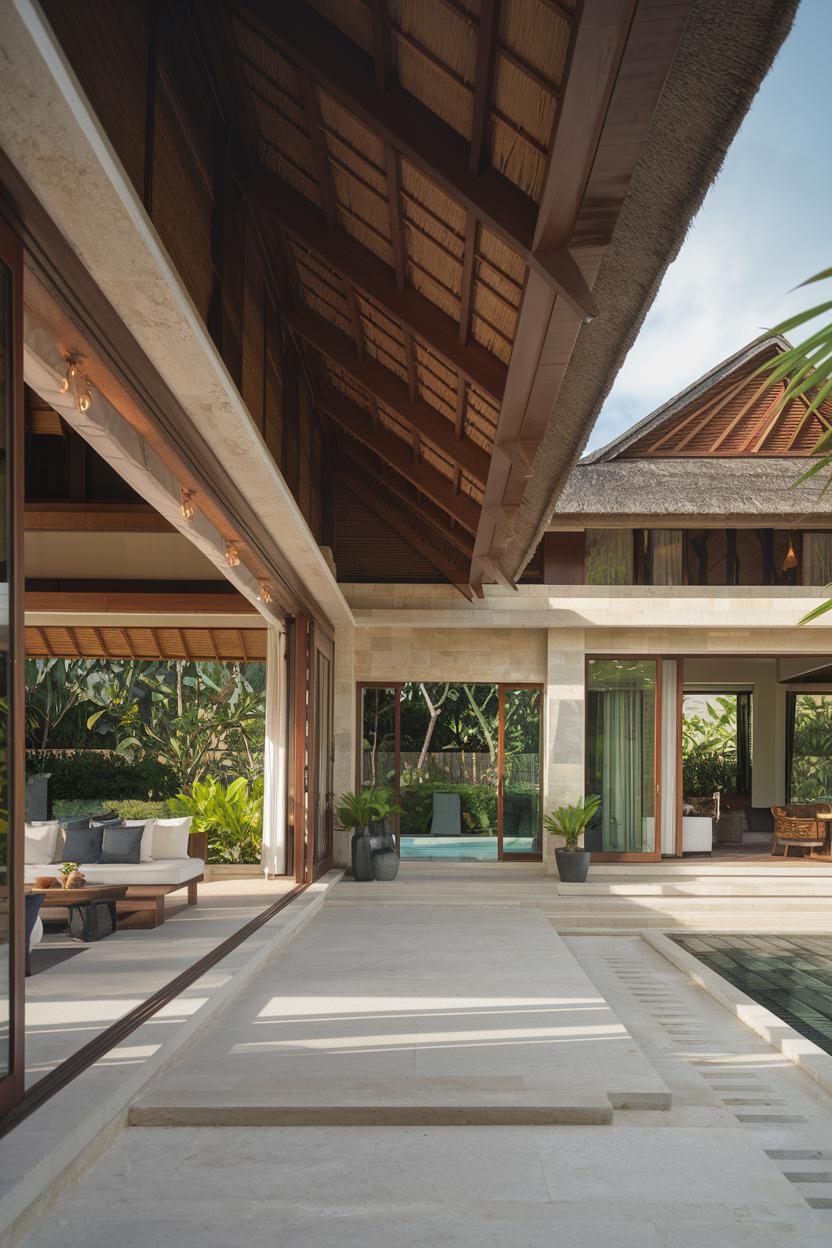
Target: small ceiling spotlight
(186, 505)
(265, 594)
(232, 555)
(76, 382)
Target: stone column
(344, 770)
(563, 731)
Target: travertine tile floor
(743, 1158)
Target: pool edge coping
(797, 1048)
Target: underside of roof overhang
(470, 207)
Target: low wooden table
(82, 900)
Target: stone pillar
(344, 771)
(563, 729)
(768, 734)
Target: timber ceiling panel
(404, 174)
(117, 642)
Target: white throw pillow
(146, 845)
(170, 838)
(39, 840)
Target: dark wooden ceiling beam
(483, 82)
(361, 268)
(377, 503)
(408, 494)
(347, 73)
(618, 61)
(397, 454)
(419, 416)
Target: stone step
(681, 887)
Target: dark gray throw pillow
(109, 820)
(122, 844)
(83, 845)
(72, 825)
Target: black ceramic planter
(362, 862)
(573, 865)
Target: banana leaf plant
(355, 811)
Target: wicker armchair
(796, 826)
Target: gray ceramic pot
(573, 865)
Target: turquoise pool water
(460, 848)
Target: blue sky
(764, 227)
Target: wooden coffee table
(82, 901)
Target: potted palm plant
(571, 822)
(356, 812)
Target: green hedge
(478, 801)
(131, 808)
(107, 776)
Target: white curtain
(666, 547)
(609, 556)
(273, 852)
(817, 558)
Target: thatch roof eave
(722, 59)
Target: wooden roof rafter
(347, 73)
(407, 528)
(409, 495)
(359, 423)
(417, 415)
(364, 270)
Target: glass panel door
(11, 673)
(520, 774)
(320, 752)
(621, 756)
(449, 765)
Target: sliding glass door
(464, 762)
(623, 757)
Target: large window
(809, 747)
(621, 754)
(464, 761)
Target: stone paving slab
(446, 1016)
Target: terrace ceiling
(439, 182)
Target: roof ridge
(659, 415)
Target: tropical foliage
(811, 777)
(806, 369)
(232, 816)
(571, 822)
(709, 748)
(355, 811)
(190, 719)
(134, 730)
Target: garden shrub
(130, 808)
(108, 776)
(478, 802)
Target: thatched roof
(725, 52)
(453, 188)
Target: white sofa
(148, 881)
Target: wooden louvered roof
(127, 642)
(441, 180)
(732, 411)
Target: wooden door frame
(656, 659)
(297, 812)
(12, 1084)
(319, 643)
(502, 688)
(396, 686)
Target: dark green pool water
(789, 975)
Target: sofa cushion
(83, 844)
(172, 871)
(170, 838)
(147, 826)
(121, 844)
(40, 840)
